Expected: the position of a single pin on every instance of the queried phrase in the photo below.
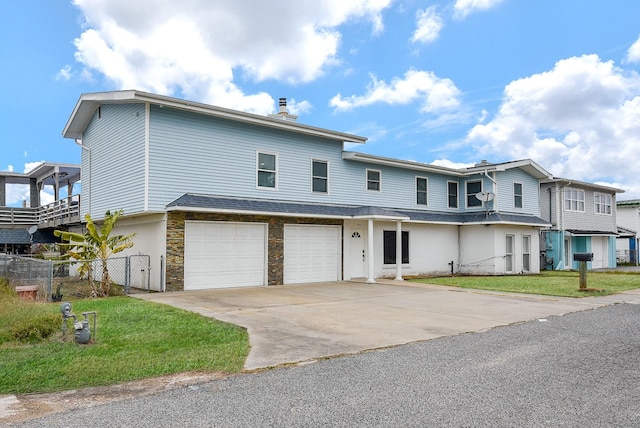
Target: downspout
(459, 250)
(551, 206)
(495, 189)
(78, 141)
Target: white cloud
(462, 8)
(449, 164)
(17, 194)
(200, 48)
(436, 94)
(30, 166)
(633, 54)
(64, 73)
(298, 108)
(428, 26)
(580, 120)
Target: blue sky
(446, 82)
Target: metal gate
(139, 272)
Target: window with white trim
(574, 200)
(267, 170)
(602, 203)
(421, 191)
(373, 180)
(319, 176)
(508, 253)
(389, 247)
(452, 194)
(517, 195)
(473, 187)
(526, 253)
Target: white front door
(600, 250)
(357, 253)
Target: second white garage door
(312, 253)
(224, 254)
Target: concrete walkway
(295, 323)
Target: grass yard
(553, 283)
(134, 339)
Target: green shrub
(6, 289)
(37, 328)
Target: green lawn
(134, 339)
(553, 283)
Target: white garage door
(220, 255)
(312, 253)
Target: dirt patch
(30, 406)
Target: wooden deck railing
(63, 211)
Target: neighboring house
(628, 218)
(583, 220)
(221, 198)
(22, 226)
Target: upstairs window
(373, 180)
(267, 170)
(602, 203)
(517, 195)
(421, 191)
(473, 187)
(452, 194)
(574, 200)
(320, 176)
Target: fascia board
(377, 160)
(87, 104)
(256, 213)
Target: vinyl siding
(587, 220)
(114, 167)
(193, 153)
(199, 154)
(530, 191)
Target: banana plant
(96, 244)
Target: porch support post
(399, 251)
(370, 276)
(3, 192)
(34, 193)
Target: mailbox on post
(583, 258)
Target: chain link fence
(57, 278)
(626, 256)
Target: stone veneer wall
(275, 270)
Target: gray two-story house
(583, 220)
(222, 198)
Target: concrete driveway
(295, 323)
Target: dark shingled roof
(230, 204)
(21, 236)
